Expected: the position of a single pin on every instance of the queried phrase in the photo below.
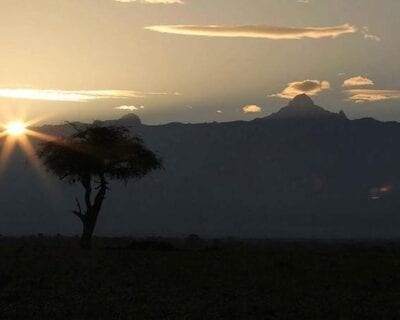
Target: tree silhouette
(92, 157)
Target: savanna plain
(123, 278)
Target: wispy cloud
(164, 93)
(256, 31)
(252, 108)
(74, 96)
(367, 95)
(310, 87)
(357, 82)
(153, 1)
(66, 95)
(129, 108)
(368, 35)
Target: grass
(50, 278)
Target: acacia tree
(92, 157)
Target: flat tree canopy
(109, 152)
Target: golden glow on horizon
(16, 128)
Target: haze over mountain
(301, 172)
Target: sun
(20, 133)
(16, 128)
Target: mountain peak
(303, 107)
(302, 100)
(130, 119)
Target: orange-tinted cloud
(367, 95)
(74, 96)
(129, 108)
(310, 87)
(252, 108)
(256, 31)
(357, 82)
(67, 95)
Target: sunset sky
(197, 60)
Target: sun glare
(16, 128)
(20, 133)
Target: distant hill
(301, 172)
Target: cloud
(367, 95)
(310, 87)
(358, 81)
(74, 96)
(129, 108)
(368, 35)
(164, 93)
(153, 1)
(252, 108)
(256, 31)
(66, 95)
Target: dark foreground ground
(50, 278)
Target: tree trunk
(87, 235)
(89, 219)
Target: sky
(196, 60)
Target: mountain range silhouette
(302, 172)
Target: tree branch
(78, 205)
(79, 215)
(87, 184)
(78, 212)
(103, 187)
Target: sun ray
(3, 134)
(29, 150)
(7, 149)
(40, 135)
(36, 120)
(27, 147)
(18, 133)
